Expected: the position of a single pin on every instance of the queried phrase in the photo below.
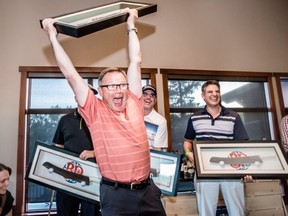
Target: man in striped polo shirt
(117, 129)
(215, 122)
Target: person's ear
(202, 95)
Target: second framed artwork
(165, 171)
(236, 159)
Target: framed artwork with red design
(236, 159)
(64, 171)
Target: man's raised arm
(134, 69)
(76, 82)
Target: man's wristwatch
(132, 29)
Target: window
(45, 97)
(284, 87)
(282, 90)
(249, 96)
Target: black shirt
(8, 203)
(72, 132)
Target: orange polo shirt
(120, 145)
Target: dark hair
(109, 70)
(210, 82)
(3, 167)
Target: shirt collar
(224, 110)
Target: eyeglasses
(146, 94)
(113, 87)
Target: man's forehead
(115, 75)
(212, 88)
(149, 91)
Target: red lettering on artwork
(237, 154)
(71, 167)
(78, 170)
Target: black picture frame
(48, 167)
(165, 171)
(90, 20)
(236, 159)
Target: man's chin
(118, 108)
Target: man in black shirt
(73, 135)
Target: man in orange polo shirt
(117, 129)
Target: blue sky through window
(46, 93)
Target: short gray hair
(109, 70)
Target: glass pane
(284, 86)
(178, 129)
(146, 82)
(187, 94)
(39, 198)
(257, 125)
(244, 94)
(95, 84)
(51, 93)
(42, 128)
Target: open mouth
(214, 99)
(147, 101)
(118, 101)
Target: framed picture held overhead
(90, 20)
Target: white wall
(246, 35)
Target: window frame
(28, 72)
(222, 76)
